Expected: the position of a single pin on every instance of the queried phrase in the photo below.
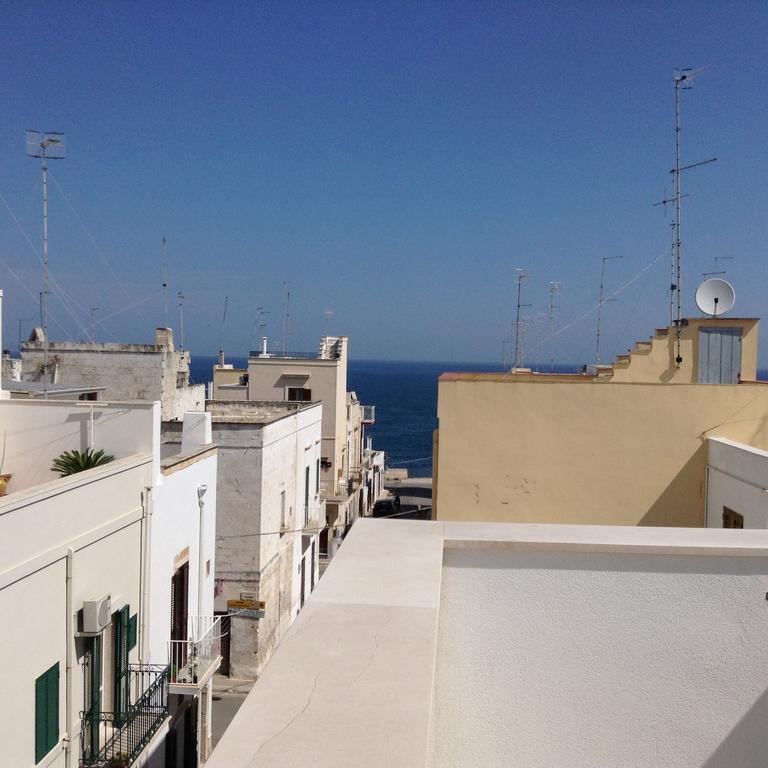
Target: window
(46, 712)
(306, 495)
(120, 633)
(317, 477)
(283, 525)
(732, 519)
(299, 395)
(92, 697)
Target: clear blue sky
(394, 161)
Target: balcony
(118, 738)
(369, 414)
(194, 661)
(338, 491)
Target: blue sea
(405, 396)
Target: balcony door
(180, 602)
(120, 648)
(92, 696)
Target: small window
(46, 712)
(732, 519)
(299, 395)
(283, 525)
(243, 380)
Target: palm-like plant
(70, 462)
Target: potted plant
(71, 462)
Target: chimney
(264, 352)
(221, 358)
(164, 338)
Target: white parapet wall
(449, 644)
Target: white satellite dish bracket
(715, 297)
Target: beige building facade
(626, 445)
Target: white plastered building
(87, 566)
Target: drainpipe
(70, 629)
(144, 573)
(201, 490)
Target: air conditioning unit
(97, 614)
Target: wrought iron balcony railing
(194, 661)
(118, 738)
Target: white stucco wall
(174, 528)
(567, 658)
(98, 515)
(36, 432)
(257, 463)
(737, 478)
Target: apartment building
(158, 371)
(345, 473)
(626, 444)
(269, 515)
(104, 571)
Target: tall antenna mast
(46, 146)
(554, 288)
(287, 316)
(520, 278)
(682, 79)
(600, 303)
(180, 297)
(165, 282)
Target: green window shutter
(46, 712)
(53, 707)
(41, 696)
(132, 626)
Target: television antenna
(520, 278)
(717, 271)
(46, 146)
(683, 80)
(23, 320)
(165, 282)
(180, 297)
(715, 297)
(600, 303)
(554, 288)
(92, 316)
(328, 314)
(259, 324)
(286, 316)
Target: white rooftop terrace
(437, 644)
(34, 432)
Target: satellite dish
(715, 297)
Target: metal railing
(280, 355)
(194, 660)
(117, 739)
(338, 491)
(369, 414)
